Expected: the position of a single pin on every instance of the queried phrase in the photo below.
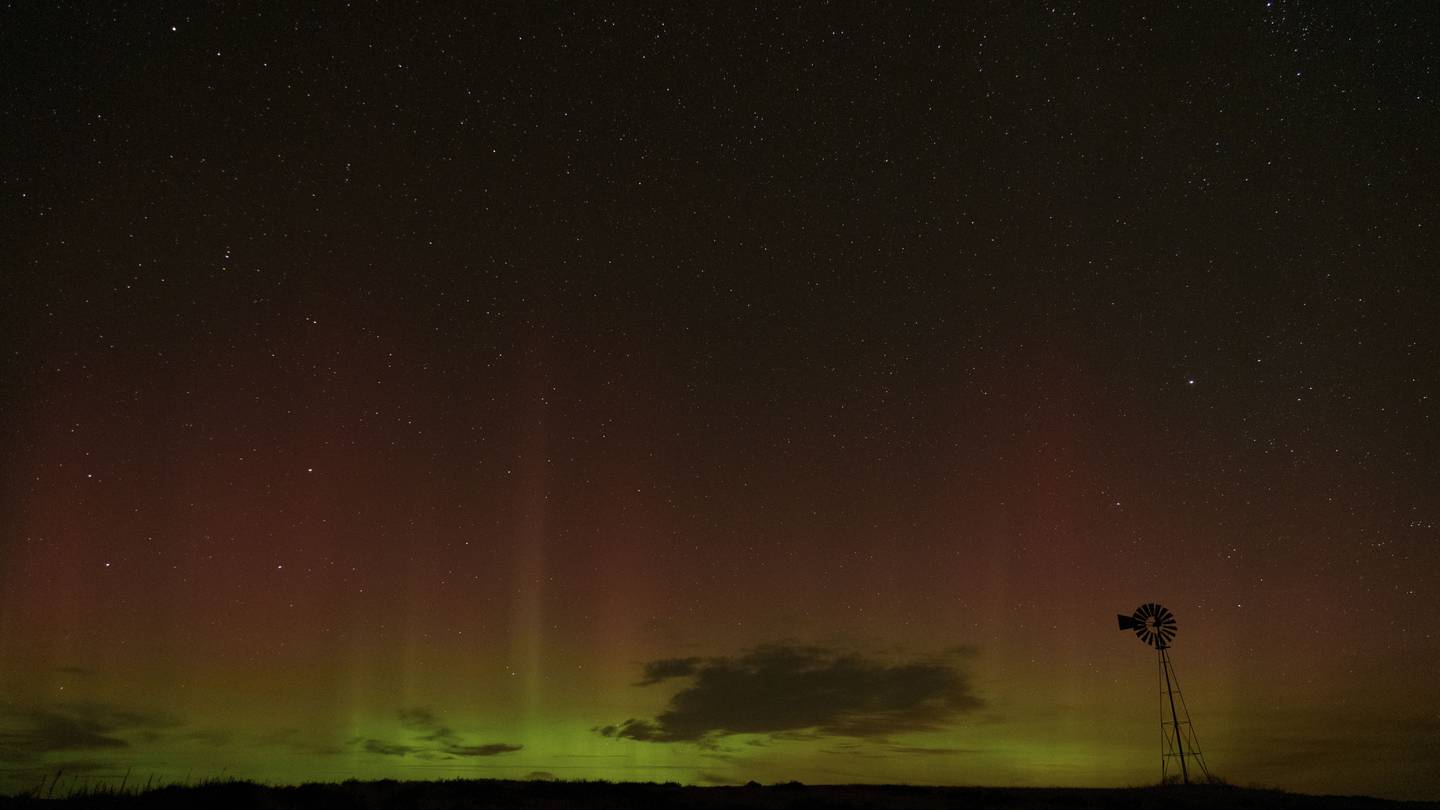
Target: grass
(443, 795)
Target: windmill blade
(1152, 622)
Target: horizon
(720, 394)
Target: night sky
(714, 393)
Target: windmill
(1155, 625)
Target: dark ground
(487, 793)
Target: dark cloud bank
(786, 690)
(432, 739)
(29, 731)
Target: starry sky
(719, 392)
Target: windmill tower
(1155, 625)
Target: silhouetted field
(497, 794)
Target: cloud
(657, 671)
(788, 690)
(482, 750)
(373, 746)
(422, 720)
(28, 731)
(916, 749)
(433, 740)
(709, 778)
